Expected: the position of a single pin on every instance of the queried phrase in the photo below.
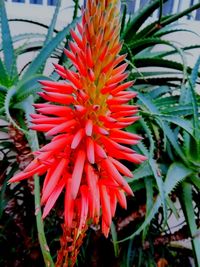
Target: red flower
(86, 120)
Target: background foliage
(166, 187)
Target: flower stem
(40, 226)
(34, 145)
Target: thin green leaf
(160, 185)
(192, 83)
(123, 19)
(173, 208)
(155, 27)
(8, 50)
(183, 123)
(176, 174)
(25, 37)
(114, 239)
(3, 201)
(149, 201)
(139, 18)
(142, 171)
(53, 23)
(190, 217)
(4, 77)
(47, 50)
(7, 104)
(76, 6)
(28, 87)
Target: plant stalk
(34, 145)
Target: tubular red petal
(81, 66)
(82, 96)
(80, 28)
(59, 67)
(108, 67)
(84, 206)
(99, 151)
(121, 198)
(124, 113)
(74, 48)
(37, 161)
(70, 55)
(91, 75)
(77, 138)
(117, 78)
(66, 90)
(106, 119)
(100, 130)
(76, 39)
(43, 127)
(105, 228)
(57, 97)
(123, 134)
(54, 179)
(92, 180)
(113, 202)
(90, 150)
(117, 108)
(77, 173)
(99, 39)
(107, 165)
(42, 105)
(105, 202)
(119, 59)
(122, 87)
(121, 168)
(80, 109)
(61, 74)
(120, 69)
(117, 125)
(104, 52)
(108, 88)
(69, 204)
(132, 157)
(127, 94)
(71, 77)
(57, 111)
(57, 86)
(48, 120)
(125, 141)
(53, 198)
(23, 175)
(112, 145)
(116, 49)
(63, 127)
(88, 127)
(58, 144)
(117, 101)
(129, 119)
(88, 53)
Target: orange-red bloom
(85, 115)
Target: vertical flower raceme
(85, 115)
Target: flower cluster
(85, 114)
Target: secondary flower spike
(85, 114)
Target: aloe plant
(17, 93)
(170, 124)
(169, 106)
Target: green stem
(34, 145)
(40, 226)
